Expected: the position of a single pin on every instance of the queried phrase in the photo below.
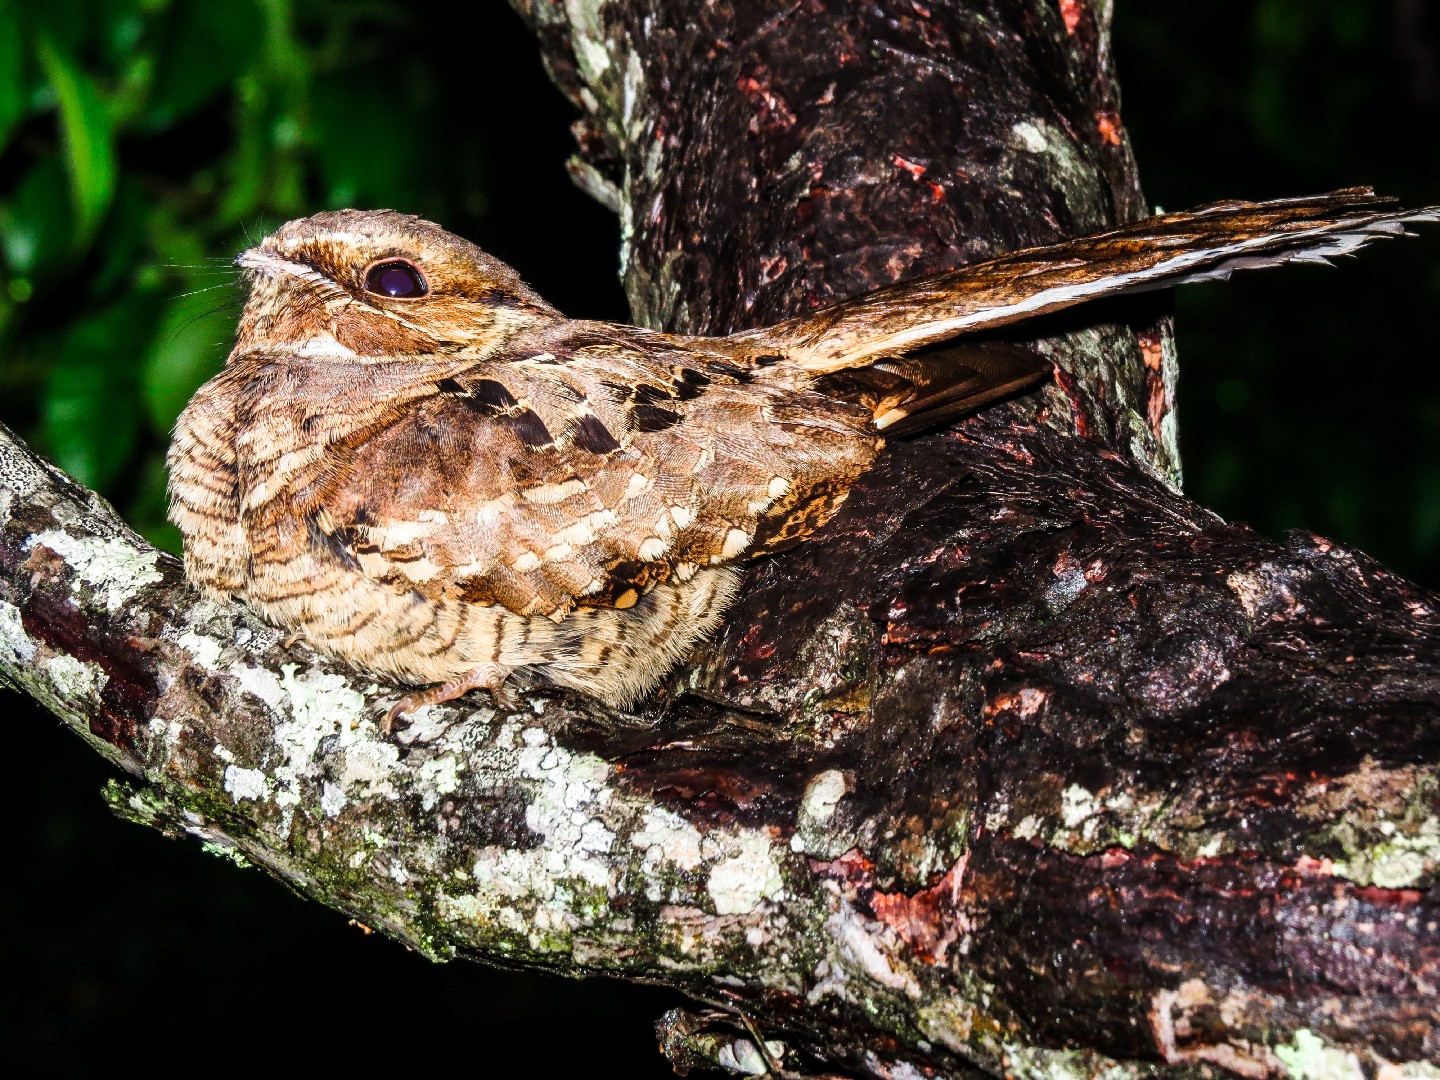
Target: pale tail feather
(1196, 245)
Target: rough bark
(1028, 765)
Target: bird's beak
(259, 261)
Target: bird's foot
(485, 677)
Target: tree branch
(1027, 763)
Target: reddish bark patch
(914, 168)
(1108, 125)
(930, 921)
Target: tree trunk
(1026, 764)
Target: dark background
(143, 142)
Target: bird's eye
(396, 278)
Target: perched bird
(417, 465)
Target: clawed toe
(506, 697)
(486, 677)
(407, 704)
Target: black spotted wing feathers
(585, 471)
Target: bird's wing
(922, 391)
(585, 471)
(1197, 245)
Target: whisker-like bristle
(234, 284)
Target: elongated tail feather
(1160, 252)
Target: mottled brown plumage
(419, 466)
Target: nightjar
(416, 464)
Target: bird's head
(375, 284)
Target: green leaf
(90, 418)
(12, 74)
(210, 45)
(37, 224)
(85, 133)
(146, 512)
(248, 161)
(189, 346)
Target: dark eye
(397, 278)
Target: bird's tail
(1197, 245)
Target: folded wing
(584, 475)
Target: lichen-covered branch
(1026, 765)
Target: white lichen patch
(667, 838)
(1127, 820)
(548, 892)
(596, 837)
(1077, 805)
(114, 568)
(822, 795)
(317, 708)
(1211, 847)
(333, 799)
(743, 1056)
(813, 833)
(859, 950)
(74, 681)
(1309, 1057)
(1399, 862)
(632, 119)
(1065, 158)
(165, 733)
(204, 649)
(1029, 136)
(321, 706)
(746, 876)
(438, 776)
(246, 784)
(502, 874)
(263, 684)
(16, 648)
(369, 767)
(515, 891)
(587, 37)
(320, 700)
(428, 725)
(1028, 829)
(464, 909)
